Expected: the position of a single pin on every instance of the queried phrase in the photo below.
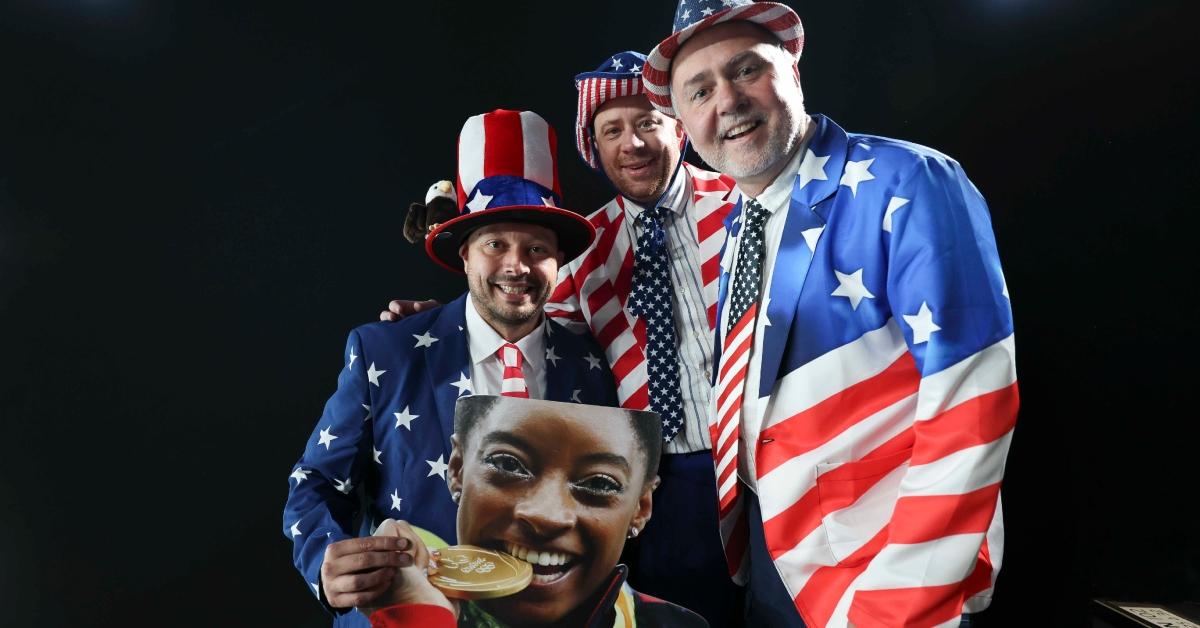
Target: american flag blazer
(888, 387)
(387, 428)
(593, 289)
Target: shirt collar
(778, 194)
(675, 199)
(484, 342)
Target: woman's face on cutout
(553, 486)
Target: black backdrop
(198, 201)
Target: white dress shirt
(487, 369)
(776, 199)
(692, 336)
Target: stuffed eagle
(440, 205)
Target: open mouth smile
(741, 130)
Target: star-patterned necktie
(512, 384)
(650, 299)
(747, 279)
(735, 358)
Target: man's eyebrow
(742, 57)
(699, 77)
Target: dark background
(199, 200)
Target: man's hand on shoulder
(399, 308)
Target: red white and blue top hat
(508, 172)
(619, 75)
(693, 16)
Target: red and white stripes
(512, 382)
(485, 149)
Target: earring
(455, 496)
(633, 532)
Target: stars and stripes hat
(619, 75)
(508, 172)
(697, 15)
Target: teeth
(512, 289)
(741, 128)
(545, 559)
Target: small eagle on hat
(440, 205)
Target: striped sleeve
(946, 291)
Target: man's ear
(454, 476)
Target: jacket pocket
(856, 500)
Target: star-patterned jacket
(387, 429)
(888, 390)
(594, 289)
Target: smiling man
(647, 291)
(387, 427)
(866, 389)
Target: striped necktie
(512, 384)
(731, 380)
(650, 299)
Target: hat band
(507, 191)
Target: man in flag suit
(647, 291)
(386, 430)
(865, 381)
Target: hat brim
(575, 233)
(777, 18)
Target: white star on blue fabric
(811, 236)
(480, 202)
(593, 361)
(463, 384)
(343, 486)
(375, 453)
(547, 201)
(368, 409)
(299, 475)
(395, 499)
(922, 324)
(706, 12)
(893, 205)
(437, 467)
(295, 529)
(315, 588)
(686, 14)
(352, 358)
(424, 340)
(636, 69)
(575, 395)
(616, 63)
(327, 437)
(851, 286)
(373, 375)
(551, 357)
(857, 172)
(812, 168)
(404, 418)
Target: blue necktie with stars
(651, 300)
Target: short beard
(482, 296)
(777, 148)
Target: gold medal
(467, 572)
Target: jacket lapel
(824, 157)
(449, 360)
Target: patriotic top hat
(697, 15)
(507, 172)
(619, 75)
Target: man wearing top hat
(865, 382)
(647, 291)
(386, 430)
